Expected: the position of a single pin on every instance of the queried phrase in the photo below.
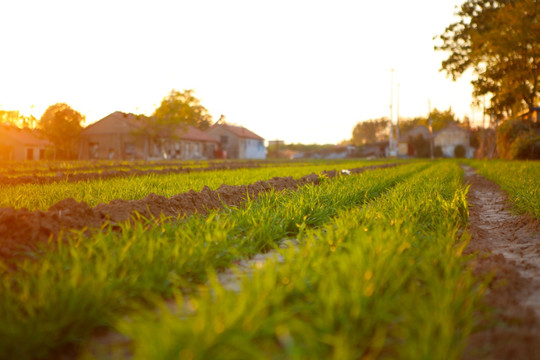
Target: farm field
(367, 265)
(42, 196)
(45, 173)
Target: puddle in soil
(509, 248)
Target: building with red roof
(124, 136)
(22, 144)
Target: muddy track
(22, 230)
(508, 248)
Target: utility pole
(391, 137)
(430, 122)
(397, 121)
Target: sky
(293, 70)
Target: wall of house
(449, 139)
(229, 142)
(190, 150)
(255, 149)
(111, 147)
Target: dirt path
(509, 250)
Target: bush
(438, 151)
(525, 146)
(420, 146)
(460, 151)
(517, 139)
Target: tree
(441, 119)
(369, 131)
(8, 117)
(408, 124)
(176, 111)
(62, 126)
(15, 118)
(182, 108)
(498, 40)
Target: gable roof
(120, 121)
(127, 122)
(23, 136)
(451, 127)
(414, 132)
(240, 131)
(194, 134)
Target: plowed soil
(69, 176)
(508, 248)
(22, 230)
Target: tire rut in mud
(508, 248)
(22, 230)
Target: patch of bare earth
(508, 248)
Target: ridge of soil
(11, 169)
(22, 230)
(67, 176)
(508, 248)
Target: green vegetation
(377, 271)
(385, 280)
(60, 297)
(41, 197)
(496, 40)
(519, 179)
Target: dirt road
(509, 250)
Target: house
(452, 136)
(238, 142)
(22, 144)
(122, 136)
(531, 114)
(410, 142)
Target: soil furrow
(21, 230)
(109, 174)
(508, 248)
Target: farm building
(122, 136)
(238, 142)
(407, 140)
(451, 137)
(22, 144)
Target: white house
(450, 137)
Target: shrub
(526, 146)
(460, 151)
(517, 139)
(438, 151)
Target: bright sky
(299, 71)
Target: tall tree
(499, 41)
(178, 109)
(441, 119)
(182, 107)
(9, 117)
(62, 126)
(370, 131)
